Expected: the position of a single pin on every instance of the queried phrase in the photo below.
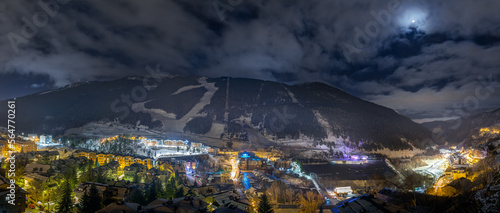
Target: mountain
(260, 112)
(457, 130)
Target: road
(192, 179)
(389, 164)
(314, 178)
(241, 194)
(438, 184)
(435, 168)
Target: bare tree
(310, 202)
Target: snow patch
(139, 107)
(398, 153)
(244, 120)
(216, 130)
(178, 125)
(49, 91)
(292, 96)
(186, 88)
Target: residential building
(366, 204)
(135, 168)
(33, 137)
(82, 188)
(45, 139)
(4, 147)
(121, 207)
(248, 161)
(36, 168)
(25, 146)
(20, 197)
(104, 159)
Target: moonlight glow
(413, 17)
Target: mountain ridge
(200, 106)
(457, 130)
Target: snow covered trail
(168, 119)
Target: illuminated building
(105, 158)
(79, 153)
(31, 178)
(271, 155)
(165, 166)
(123, 161)
(33, 137)
(45, 139)
(490, 131)
(227, 152)
(4, 147)
(455, 173)
(36, 168)
(190, 166)
(25, 146)
(213, 151)
(343, 190)
(102, 140)
(127, 161)
(135, 168)
(145, 161)
(248, 161)
(151, 142)
(92, 156)
(197, 145)
(173, 143)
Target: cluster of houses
(123, 161)
(156, 142)
(45, 168)
(457, 167)
(457, 164)
(18, 146)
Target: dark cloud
(420, 58)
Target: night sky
(421, 58)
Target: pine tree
(137, 196)
(160, 190)
(100, 176)
(151, 192)
(65, 203)
(83, 207)
(190, 192)
(264, 206)
(170, 188)
(91, 201)
(179, 192)
(73, 177)
(136, 178)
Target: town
(174, 175)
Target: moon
(413, 18)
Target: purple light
(364, 158)
(355, 157)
